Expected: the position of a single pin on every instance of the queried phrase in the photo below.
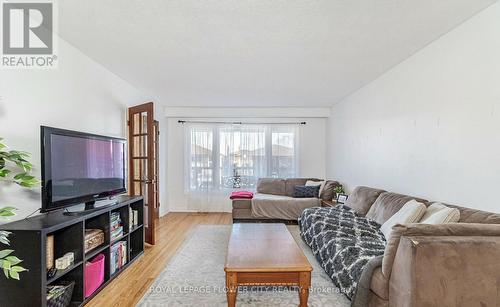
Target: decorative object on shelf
(60, 295)
(70, 257)
(338, 190)
(118, 254)
(136, 218)
(49, 254)
(61, 264)
(341, 198)
(94, 272)
(116, 225)
(93, 239)
(13, 161)
(133, 218)
(65, 261)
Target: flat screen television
(80, 168)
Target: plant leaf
(6, 272)
(27, 178)
(5, 253)
(17, 269)
(4, 264)
(4, 237)
(4, 173)
(13, 260)
(8, 208)
(14, 275)
(19, 176)
(27, 184)
(7, 211)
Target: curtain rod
(239, 123)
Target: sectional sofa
(274, 200)
(442, 265)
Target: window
(223, 157)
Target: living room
(250, 153)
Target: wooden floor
(128, 288)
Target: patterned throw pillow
(302, 191)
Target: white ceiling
(252, 53)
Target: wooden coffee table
(265, 255)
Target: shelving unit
(28, 239)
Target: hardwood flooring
(128, 288)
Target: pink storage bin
(94, 274)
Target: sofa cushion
(280, 207)
(290, 184)
(387, 204)
(328, 192)
(302, 191)
(362, 198)
(468, 215)
(273, 186)
(438, 213)
(410, 213)
(311, 183)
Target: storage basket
(93, 238)
(63, 299)
(94, 274)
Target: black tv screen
(79, 167)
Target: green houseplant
(339, 190)
(14, 168)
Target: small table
(265, 255)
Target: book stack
(116, 225)
(133, 218)
(118, 256)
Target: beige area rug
(195, 277)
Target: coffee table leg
(232, 289)
(304, 285)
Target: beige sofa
(274, 200)
(432, 265)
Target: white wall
(79, 95)
(430, 127)
(312, 157)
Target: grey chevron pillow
(302, 191)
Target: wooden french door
(143, 164)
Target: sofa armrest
(446, 271)
(452, 229)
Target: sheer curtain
(200, 161)
(221, 158)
